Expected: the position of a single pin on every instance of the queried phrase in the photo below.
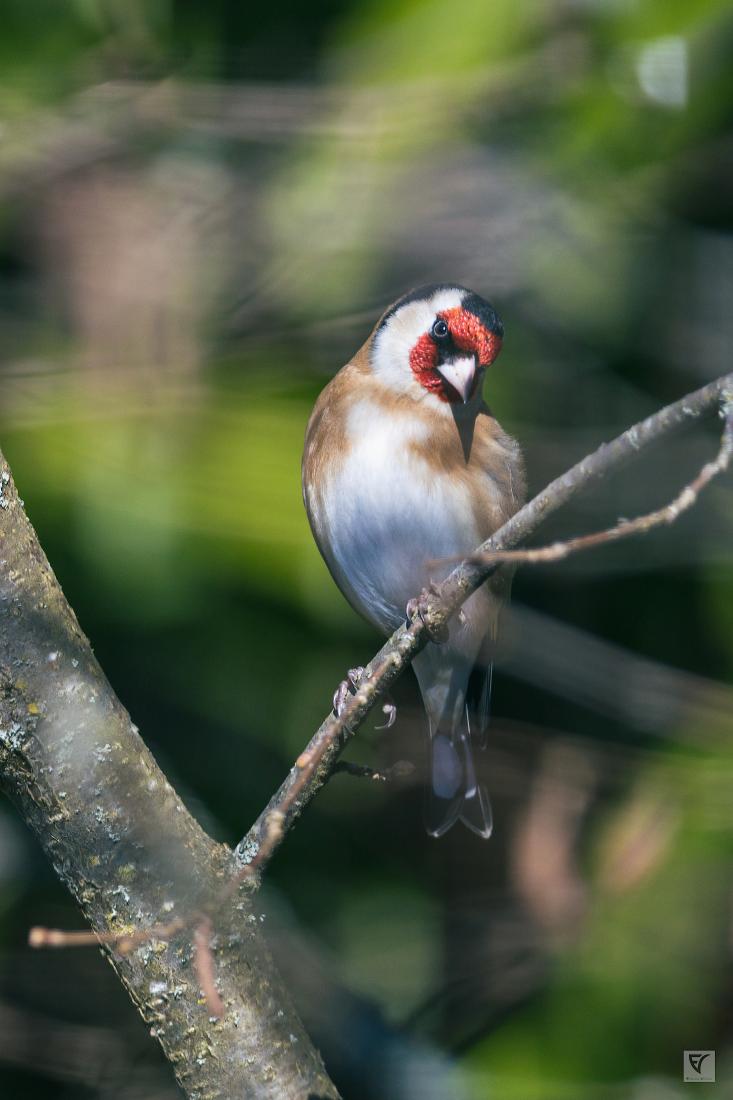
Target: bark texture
(122, 841)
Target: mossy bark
(120, 838)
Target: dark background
(203, 209)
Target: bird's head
(436, 342)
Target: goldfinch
(405, 469)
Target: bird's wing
(480, 680)
(478, 698)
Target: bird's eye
(439, 330)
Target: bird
(406, 470)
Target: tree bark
(122, 841)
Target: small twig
(203, 961)
(123, 942)
(399, 770)
(684, 500)
(360, 771)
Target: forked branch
(625, 528)
(396, 654)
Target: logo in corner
(698, 1065)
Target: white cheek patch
(394, 342)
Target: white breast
(386, 515)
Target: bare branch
(684, 500)
(205, 968)
(123, 942)
(399, 770)
(397, 653)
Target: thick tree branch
(313, 768)
(131, 854)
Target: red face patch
(424, 363)
(468, 335)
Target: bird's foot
(390, 710)
(419, 608)
(349, 686)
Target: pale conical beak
(461, 375)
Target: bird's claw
(349, 686)
(346, 687)
(419, 608)
(390, 710)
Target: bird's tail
(454, 793)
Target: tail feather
(476, 812)
(444, 792)
(456, 688)
(454, 793)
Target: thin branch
(314, 766)
(123, 942)
(203, 960)
(684, 500)
(399, 770)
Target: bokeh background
(203, 209)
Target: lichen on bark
(120, 838)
